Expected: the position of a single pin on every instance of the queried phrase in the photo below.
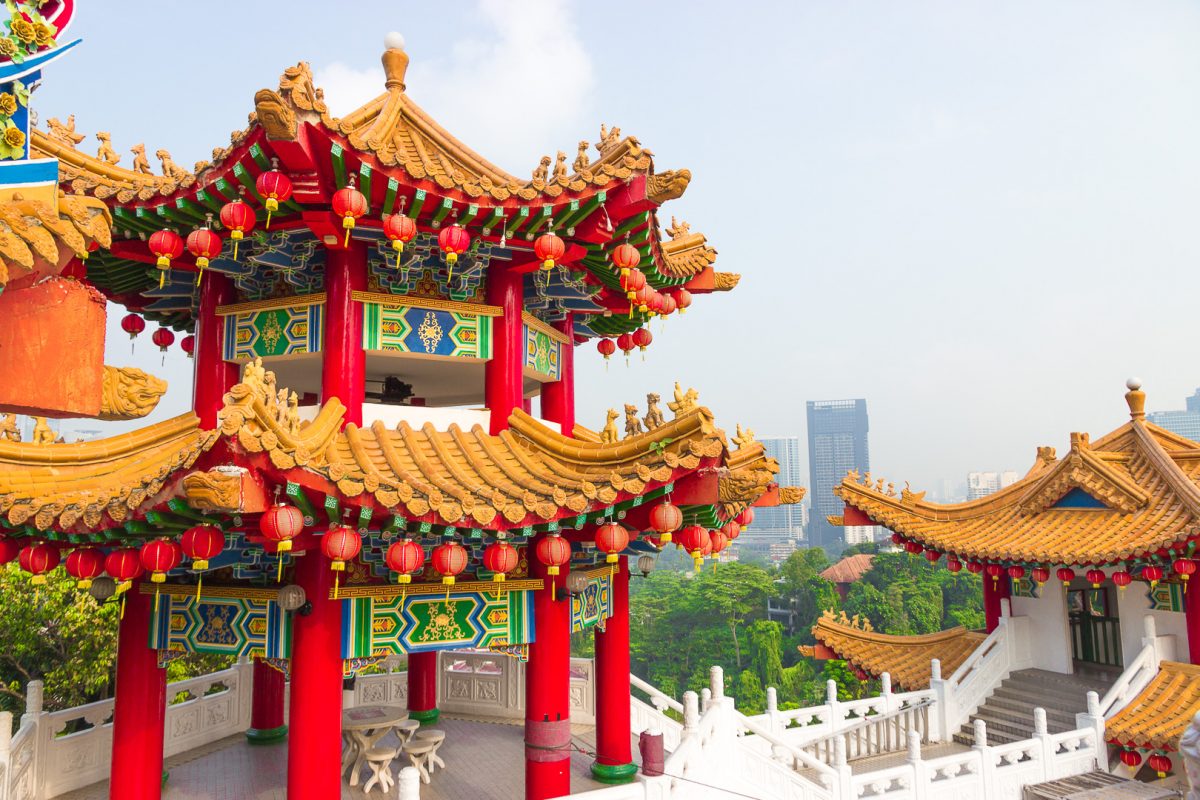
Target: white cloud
(515, 90)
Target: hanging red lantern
(625, 342)
(133, 325)
(1122, 578)
(719, 541)
(612, 538)
(275, 188)
(667, 306)
(400, 229)
(500, 558)
(280, 524)
(8, 549)
(1130, 757)
(642, 338)
(549, 248)
(745, 517)
(631, 282)
(405, 557)
(1016, 572)
(83, 564)
(453, 241)
(553, 551)
(683, 298)
(1160, 763)
(995, 571)
(625, 257)
(655, 303)
(1065, 574)
(340, 544)
(349, 204)
(641, 298)
(124, 565)
(897, 540)
(204, 244)
(163, 338)
(160, 556)
(1152, 573)
(732, 529)
(606, 347)
(974, 567)
(238, 218)
(913, 548)
(202, 543)
(932, 556)
(1095, 577)
(693, 540)
(449, 559)
(953, 564)
(188, 345)
(665, 519)
(37, 560)
(1041, 575)
(166, 247)
(1184, 568)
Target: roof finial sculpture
(395, 61)
(1136, 398)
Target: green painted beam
(517, 221)
(210, 202)
(130, 219)
(418, 203)
(162, 519)
(364, 517)
(260, 157)
(443, 211)
(469, 217)
(194, 211)
(631, 223)
(364, 183)
(584, 210)
(333, 509)
(297, 496)
(230, 191)
(496, 220)
(337, 158)
(389, 198)
(136, 527)
(245, 179)
(546, 215)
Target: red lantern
(1041, 575)
(655, 303)
(683, 298)
(166, 246)
(641, 299)
(133, 325)
(553, 551)
(1184, 568)
(995, 571)
(8, 549)
(625, 257)
(280, 524)
(1122, 578)
(1016, 572)
(238, 218)
(549, 249)
(631, 282)
(731, 529)
(160, 556)
(913, 548)
(83, 564)
(405, 557)
(642, 338)
(932, 556)
(400, 229)
(38, 559)
(188, 344)
(1130, 757)
(124, 565)
(454, 241)
(974, 567)
(449, 559)
(667, 306)
(665, 519)
(500, 558)
(719, 541)
(204, 244)
(275, 188)
(1160, 764)
(745, 517)
(953, 564)
(163, 338)
(612, 538)
(202, 543)
(1095, 577)
(606, 347)
(1152, 573)
(340, 544)
(625, 342)
(897, 539)
(1065, 574)
(693, 539)
(349, 204)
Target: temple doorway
(1095, 626)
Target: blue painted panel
(1078, 498)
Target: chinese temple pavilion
(370, 305)
(1092, 548)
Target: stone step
(1022, 714)
(1033, 698)
(1054, 680)
(967, 737)
(996, 725)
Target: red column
(140, 709)
(547, 690)
(422, 687)
(266, 708)
(344, 364)
(1191, 607)
(212, 375)
(994, 594)
(558, 398)
(614, 758)
(315, 717)
(503, 376)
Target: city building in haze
(779, 523)
(1185, 423)
(837, 443)
(981, 484)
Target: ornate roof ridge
(1166, 467)
(899, 640)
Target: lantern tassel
(235, 244)
(162, 278)
(336, 578)
(199, 583)
(279, 572)
(346, 241)
(199, 275)
(268, 218)
(156, 598)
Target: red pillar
(212, 375)
(266, 707)
(614, 759)
(994, 593)
(558, 398)
(1191, 607)
(344, 363)
(547, 690)
(140, 708)
(422, 687)
(315, 717)
(503, 377)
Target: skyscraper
(779, 523)
(837, 443)
(981, 484)
(1185, 423)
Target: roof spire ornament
(1136, 399)
(395, 61)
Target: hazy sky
(980, 216)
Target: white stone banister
(1006, 649)
(1137, 675)
(658, 699)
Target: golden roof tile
(36, 239)
(1157, 717)
(686, 253)
(905, 658)
(849, 569)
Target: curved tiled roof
(905, 658)
(1157, 717)
(1143, 478)
(849, 569)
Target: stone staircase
(1008, 710)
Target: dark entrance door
(1095, 627)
